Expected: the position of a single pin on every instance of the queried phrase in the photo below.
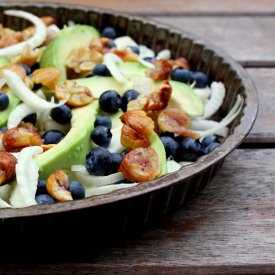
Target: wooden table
(230, 227)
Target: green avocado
(183, 97)
(74, 147)
(100, 84)
(4, 61)
(158, 146)
(4, 115)
(56, 53)
(14, 101)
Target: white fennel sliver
(18, 87)
(18, 113)
(124, 41)
(204, 124)
(81, 174)
(172, 166)
(36, 40)
(164, 54)
(4, 204)
(146, 63)
(143, 85)
(216, 99)
(144, 51)
(203, 93)
(96, 191)
(112, 61)
(115, 144)
(226, 120)
(26, 169)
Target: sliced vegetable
(92, 191)
(145, 52)
(26, 169)
(124, 41)
(18, 113)
(204, 124)
(4, 204)
(88, 180)
(112, 61)
(146, 63)
(226, 120)
(172, 166)
(36, 40)
(164, 54)
(115, 145)
(216, 99)
(18, 87)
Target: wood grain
(263, 131)
(178, 6)
(229, 228)
(250, 40)
(232, 222)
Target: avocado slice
(4, 61)
(100, 84)
(183, 97)
(14, 101)
(4, 115)
(75, 145)
(158, 146)
(56, 53)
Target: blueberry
(211, 147)
(44, 199)
(26, 68)
(128, 96)
(52, 137)
(109, 32)
(101, 69)
(101, 135)
(209, 143)
(30, 118)
(124, 153)
(4, 129)
(200, 78)
(35, 66)
(4, 101)
(207, 140)
(37, 86)
(77, 190)
(110, 101)
(170, 145)
(134, 49)
(148, 59)
(112, 44)
(98, 161)
(115, 162)
(103, 121)
(182, 75)
(61, 114)
(41, 187)
(189, 150)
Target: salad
(86, 113)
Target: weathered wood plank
(178, 6)
(141, 268)
(232, 222)
(228, 228)
(263, 130)
(249, 40)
